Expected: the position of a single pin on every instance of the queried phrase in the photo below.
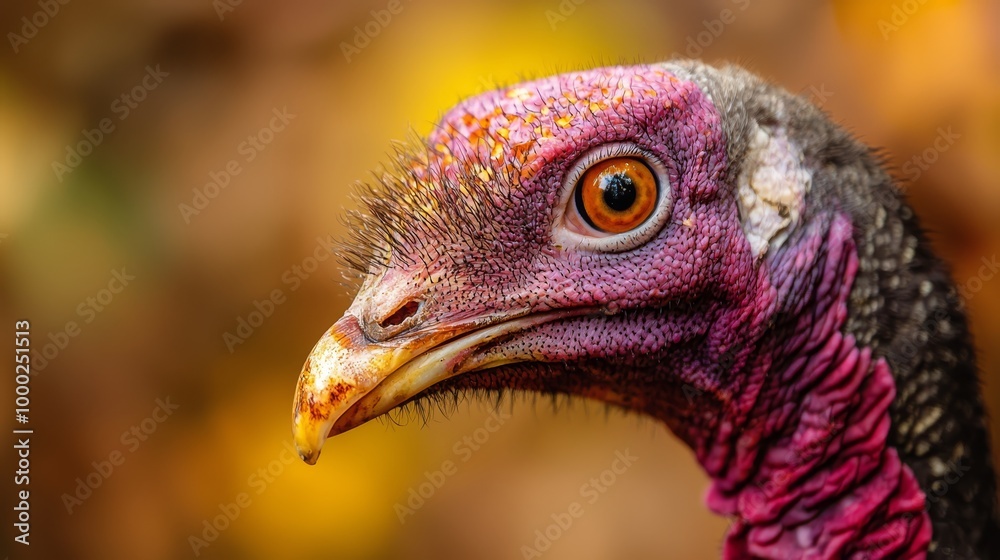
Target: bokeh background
(893, 72)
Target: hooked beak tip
(309, 435)
(310, 456)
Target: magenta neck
(800, 459)
(829, 486)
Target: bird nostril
(405, 311)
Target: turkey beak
(349, 379)
(341, 368)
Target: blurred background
(159, 436)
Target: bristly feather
(418, 197)
(425, 407)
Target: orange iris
(617, 195)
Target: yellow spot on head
(476, 136)
(598, 106)
(519, 93)
(485, 174)
(520, 151)
(564, 122)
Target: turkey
(693, 244)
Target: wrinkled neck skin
(798, 451)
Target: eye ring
(614, 198)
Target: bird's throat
(806, 469)
(826, 482)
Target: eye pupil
(619, 191)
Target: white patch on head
(771, 189)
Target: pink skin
(745, 361)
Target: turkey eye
(617, 195)
(615, 198)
